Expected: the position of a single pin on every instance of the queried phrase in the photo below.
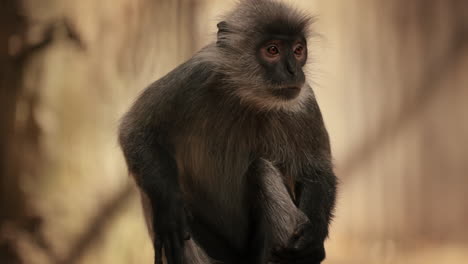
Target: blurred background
(391, 77)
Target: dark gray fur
(211, 144)
(281, 213)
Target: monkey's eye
(272, 50)
(299, 50)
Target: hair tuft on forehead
(253, 17)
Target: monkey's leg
(275, 214)
(316, 198)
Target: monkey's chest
(211, 158)
(212, 165)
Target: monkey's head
(262, 47)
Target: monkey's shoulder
(173, 95)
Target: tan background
(391, 77)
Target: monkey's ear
(222, 27)
(223, 30)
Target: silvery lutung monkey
(229, 149)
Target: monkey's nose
(291, 69)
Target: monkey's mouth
(288, 92)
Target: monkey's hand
(303, 247)
(171, 228)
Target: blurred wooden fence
(391, 78)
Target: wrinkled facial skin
(282, 59)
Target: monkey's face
(262, 51)
(282, 59)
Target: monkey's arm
(155, 172)
(316, 200)
(156, 175)
(145, 135)
(315, 196)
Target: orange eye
(299, 50)
(272, 50)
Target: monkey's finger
(311, 253)
(185, 233)
(304, 245)
(277, 257)
(283, 255)
(300, 238)
(157, 251)
(177, 249)
(299, 252)
(305, 252)
(168, 252)
(298, 233)
(297, 244)
(307, 260)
